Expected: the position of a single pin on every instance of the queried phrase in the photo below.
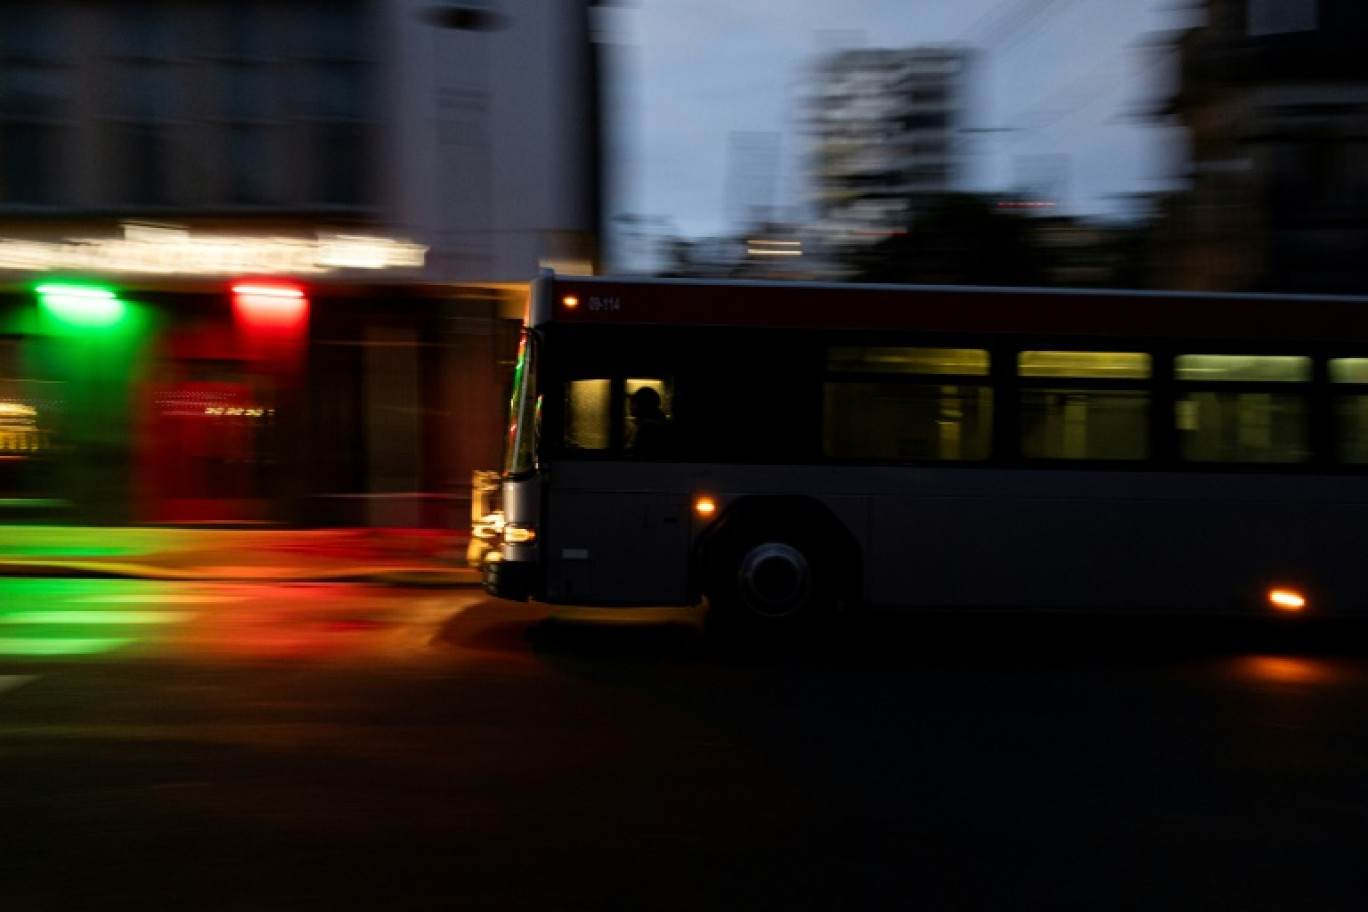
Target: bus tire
(769, 585)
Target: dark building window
(334, 104)
(927, 120)
(341, 160)
(151, 100)
(1272, 17)
(29, 155)
(32, 101)
(244, 30)
(144, 158)
(250, 84)
(247, 159)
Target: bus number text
(611, 303)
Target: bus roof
(950, 309)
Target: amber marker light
(1286, 599)
(516, 534)
(570, 302)
(704, 506)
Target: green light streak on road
(94, 617)
(12, 588)
(58, 646)
(63, 553)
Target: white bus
(836, 446)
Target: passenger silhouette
(651, 431)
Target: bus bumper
(508, 579)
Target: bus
(840, 447)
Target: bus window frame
(1013, 440)
(1311, 391)
(977, 381)
(617, 381)
(1330, 446)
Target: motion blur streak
(58, 646)
(95, 617)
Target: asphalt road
(318, 747)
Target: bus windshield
(520, 447)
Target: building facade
(885, 128)
(264, 261)
(1273, 95)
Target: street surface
(216, 746)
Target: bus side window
(1350, 379)
(909, 403)
(1084, 404)
(588, 416)
(1249, 408)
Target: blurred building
(1274, 97)
(772, 251)
(377, 179)
(885, 131)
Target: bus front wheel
(767, 585)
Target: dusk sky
(1060, 84)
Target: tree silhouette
(958, 239)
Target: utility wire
(1012, 21)
(1085, 91)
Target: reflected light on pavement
(630, 617)
(95, 617)
(1287, 670)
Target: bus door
(617, 523)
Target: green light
(58, 552)
(77, 616)
(81, 305)
(76, 291)
(57, 646)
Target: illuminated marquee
(149, 250)
(19, 432)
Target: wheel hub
(775, 579)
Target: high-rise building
(395, 168)
(885, 130)
(1273, 97)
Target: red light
(268, 291)
(261, 305)
(272, 321)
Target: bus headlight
(516, 534)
